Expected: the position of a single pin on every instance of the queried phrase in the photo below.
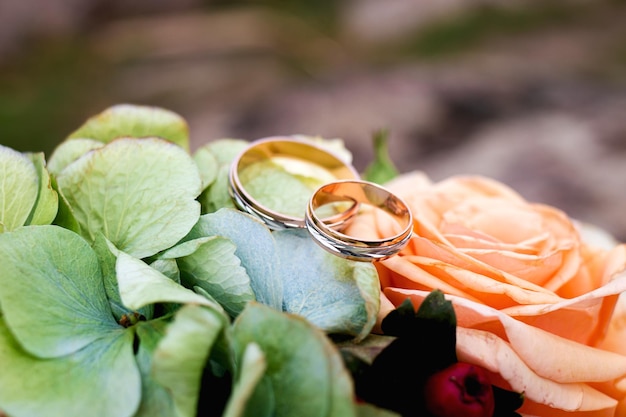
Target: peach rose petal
(546, 354)
(543, 352)
(494, 354)
(474, 185)
(615, 262)
(467, 239)
(485, 286)
(615, 339)
(570, 266)
(428, 249)
(421, 278)
(493, 217)
(532, 268)
(598, 304)
(413, 181)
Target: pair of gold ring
(339, 196)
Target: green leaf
(184, 248)
(180, 356)
(215, 268)
(156, 400)
(382, 169)
(337, 295)
(106, 253)
(107, 257)
(126, 120)
(100, 380)
(65, 214)
(429, 333)
(47, 204)
(367, 349)
(19, 187)
(51, 290)
(217, 196)
(207, 165)
(304, 369)
(225, 150)
(167, 267)
(256, 248)
(140, 193)
(253, 366)
(435, 307)
(69, 151)
(141, 285)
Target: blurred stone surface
(542, 111)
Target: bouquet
(131, 284)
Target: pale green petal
(180, 356)
(185, 248)
(217, 196)
(207, 165)
(19, 187)
(100, 380)
(337, 295)
(253, 366)
(156, 400)
(304, 370)
(226, 149)
(215, 268)
(140, 285)
(126, 120)
(140, 193)
(167, 267)
(65, 215)
(69, 151)
(47, 203)
(51, 290)
(255, 247)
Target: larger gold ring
(331, 238)
(293, 155)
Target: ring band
(333, 240)
(295, 153)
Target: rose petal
(407, 274)
(543, 352)
(414, 181)
(494, 354)
(499, 218)
(598, 305)
(532, 268)
(463, 238)
(482, 287)
(429, 249)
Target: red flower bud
(460, 390)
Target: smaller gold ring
(294, 151)
(336, 242)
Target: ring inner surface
(366, 194)
(299, 168)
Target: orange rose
(534, 302)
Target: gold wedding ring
(331, 238)
(296, 157)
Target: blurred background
(532, 93)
